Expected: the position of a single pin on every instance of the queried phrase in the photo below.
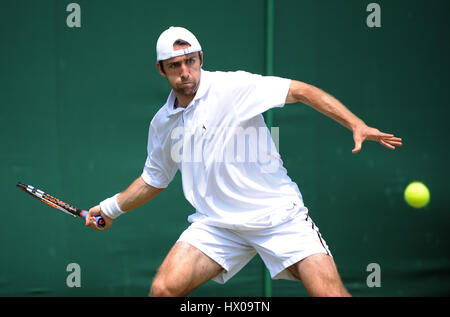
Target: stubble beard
(188, 91)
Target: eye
(190, 61)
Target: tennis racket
(58, 204)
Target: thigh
(319, 275)
(286, 244)
(184, 269)
(222, 245)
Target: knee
(160, 288)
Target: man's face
(183, 72)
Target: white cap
(164, 46)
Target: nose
(184, 72)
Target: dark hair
(181, 43)
(178, 43)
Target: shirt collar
(201, 91)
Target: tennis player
(212, 130)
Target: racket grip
(98, 219)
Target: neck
(182, 101)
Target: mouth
(188, 87)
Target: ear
(201, 58)
(160, 70)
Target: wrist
(110, 207)
(356, 124)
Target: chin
(186, 91)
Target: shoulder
(165, 111)
(231, 76)
(243, 79)
(232, 80)
(159, 116)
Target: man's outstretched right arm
(333, 108)
(137, 194)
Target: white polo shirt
(231, 170)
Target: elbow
(302, 92)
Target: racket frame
(57, 203)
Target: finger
(385, 144)
(93, 226)
(88, 220)
(358, 143)
(385, 135)
(357, 147)
(393, 139)
(394, 143)
(94, 223)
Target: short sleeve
(254, 94)
(159, 168)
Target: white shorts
(279, 246)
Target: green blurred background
(76, 104)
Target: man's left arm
(333, 108)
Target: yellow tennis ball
(417, 195)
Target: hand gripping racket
(58, 204)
